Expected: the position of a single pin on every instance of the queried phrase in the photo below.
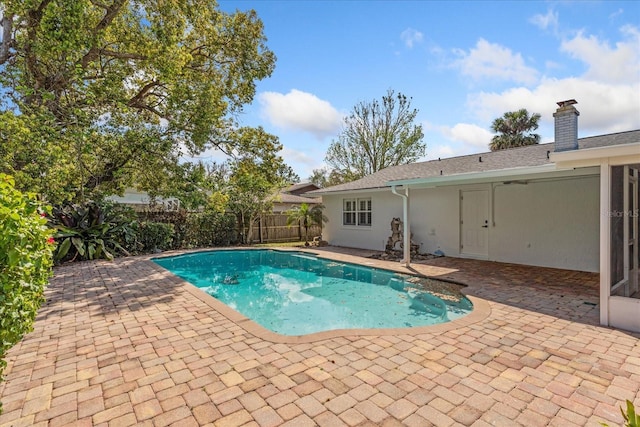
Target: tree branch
(136, 101)
(123, 55)
(109, 16)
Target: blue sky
(464, 63)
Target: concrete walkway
(126, 343)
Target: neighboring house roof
(521, 157)
(292, 198)
(301, 188)
(295, 194)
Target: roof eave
(476, 176)
(616, 154)
(347, 191)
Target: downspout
(406, 232)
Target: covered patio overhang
(518, 174)
(619, 253)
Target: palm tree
(511, 129)
(306, 216)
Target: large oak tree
(104, 94)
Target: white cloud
(546, 22)
(440, 151)
(300, 111)
(490, 60)
(607, 92)
(465, 138)
(299, 157)
(619, 64)
(615, 14)
(411, 37)
(603, 107)
(469, 134)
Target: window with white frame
(356, 212)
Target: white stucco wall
(548, 223)
(552, 223)
(385, 206)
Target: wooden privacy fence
(273, 228)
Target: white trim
(534, 172)
(473, 176)
(625, 226)
(618, 155)
(343, 192)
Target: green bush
(154, 236)
(205, 229)
(177, 218)
(26, 248)
(94, 230)
(197, 229)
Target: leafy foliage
(197, 229)
(325, 177)
(306, 216)
(178, 219)
(512, 129)
(251, 189)
(376, 136)
(631, 418)
(154, 236)
(93, 230)
(248, 185)
(25, 264)
(211, 229)
(109, 95)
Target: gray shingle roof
(294, 198)
(301, 188)
(532, 155)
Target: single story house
(141, 201)
(570, 204)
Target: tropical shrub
(93, 230)
(154, 236)
(306, 217)
(26, 248)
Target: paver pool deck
(127, 343)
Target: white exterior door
(474, 223)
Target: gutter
(472, 176)
(406, 229)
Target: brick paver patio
(126, 343)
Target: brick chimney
(566, 126)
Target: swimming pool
(295, 293)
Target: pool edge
(481, 310)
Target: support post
(605, 241)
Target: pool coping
(481, 308)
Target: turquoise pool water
(294, 293)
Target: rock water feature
(395, 243)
